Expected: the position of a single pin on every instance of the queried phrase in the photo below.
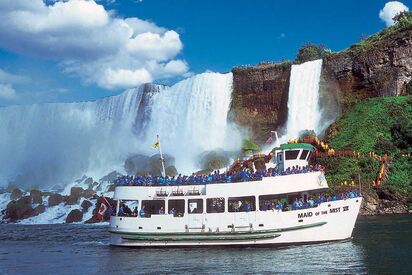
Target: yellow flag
(156, 145)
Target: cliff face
(260, 96)
(381, 69)
(378, 66)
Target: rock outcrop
(381, 69)
(383, 202)
(55, 199)
(259, 100)
(74, 216)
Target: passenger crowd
(265, 205)
(302, 203)
(216, 177)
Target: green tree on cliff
(309, 52)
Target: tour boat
(213, 214)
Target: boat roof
(295, 146)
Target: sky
(78, 50)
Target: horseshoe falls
(303, 104)
(47, 144)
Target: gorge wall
(382, 66)
(260, 98)
(381, 69)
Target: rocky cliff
(260, 96)
(380, 65)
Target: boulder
(135, 165)
(75, 194)
(20, 209)
(86, 204)
(88, 181)
(16, 194)
(213, 160)
(76, 191)
(111, 188)
(39, 209)
(36, 196)
(71, 200)
(111, 176)
(74, 216)
(55, 199)
(156, 164)
(171, 171)
(88, 193)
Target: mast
(161, 157)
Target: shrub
(401, 133)
(309, 52)
(384, 146)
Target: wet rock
(20, 209)
(76, 192)
(36, 196)
(111, 188)
(55, 199)
(39, 209)
(213, 160)
(86, 205)
(136, 165)
(110, 177)
(71, 200)
(16, 194)
(74, 216)
(88, 193)
(171, 171)
(88, 181)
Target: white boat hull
(330, 221)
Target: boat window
(176, 207)
(272, 202)
(310, 154)
(195, 206)
(291, 154)
(128, 208)
(242, 204)
(304, 154)
(153, 207)
(215, 205)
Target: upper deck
(286, 184)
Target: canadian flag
(102, 209)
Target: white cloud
(7, 92)
(6, 77)
(389, 11)
(91, 42)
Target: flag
(156, 145)
(102, 209)
(270, 140)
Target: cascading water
(303, 105)
(191, 117)
(48, 144)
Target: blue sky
(59, 60)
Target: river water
(380, 245)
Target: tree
(309, 52)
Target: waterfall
(191, 117)
(303, 104)
(55, 143)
